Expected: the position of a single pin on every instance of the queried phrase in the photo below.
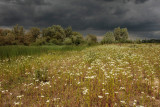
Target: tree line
(56, 35)
(118, 35)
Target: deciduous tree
(108, 38)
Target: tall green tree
(121, 34)
(68, 31)
(77, 38)
(91, 39)
(4, 32)
(117, 33)
(34, 32)
(18, 31)
(55, 32)
(124, 33)
(48, 32)
(10, 39)
(108, 38)
(59, 32)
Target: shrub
(55, 41)
(40, 41)
(68, 41)
(2, 42)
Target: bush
(40, 41)
(2, 42)
(55, 41)
(68, 41)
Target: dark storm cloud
(140, 1)
(25, 2)
(83, 15)
(125, 1)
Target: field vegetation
(16, 51)
(118, 75)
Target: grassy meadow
(100, 76)
(16, 51)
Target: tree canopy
(120, 34)
(57, 35)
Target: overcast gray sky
(141, 17)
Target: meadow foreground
(100, 76)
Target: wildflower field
(126, 75)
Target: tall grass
(14, 51)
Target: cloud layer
(141, 17)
